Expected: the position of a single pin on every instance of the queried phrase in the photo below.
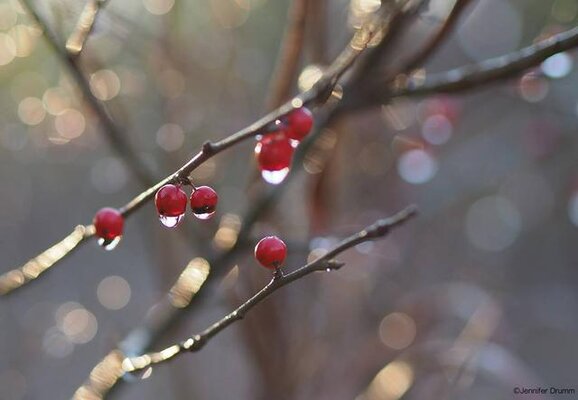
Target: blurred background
(473, 298)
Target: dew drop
(170, 222)
(204, 216)
(109, 244)
(294, 143)
(275, 177)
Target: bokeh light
(105, 84)
(113, 292)
(31, 111)
(493, 223)
(170, 137)
(557, 66)
(417, 166)
(397, 330)
(158, 7)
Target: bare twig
(475, 75)
(438, 37)
(288, 60)
(84, 25)
(326, 262)
(112, 132)
(316, 96)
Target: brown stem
(475, 75)
(288, 60)
(327, 262)
(438, 38)
(86, 20)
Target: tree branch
(112, 132)
(288, 60)
(475, 75)
(316, 96)
(86, 20)
(327, 262)
(435, 41)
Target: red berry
(271, 252)
(171, 201)
(274, 152)
(299, 123)
(204, 202)
(108, 223)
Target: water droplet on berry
(109, 244)
(275, 177)
(170, 222)
(203, 215)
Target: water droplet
(109, 244)
(294, 143)
(275, 177)
(170, 222)
(328, 269)
(204, 216)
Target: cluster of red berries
(171, 202)
(274, 150)
(274, 154)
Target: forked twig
(326, 262)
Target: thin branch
(316, 96)
(435, 41)
(317, 32)
(84, 25)
(112, 132)
(327, 262)
(39, 264)
(479, 74)
(288, 60)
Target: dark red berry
(299, 123)
(171, 201)
(204, 202)
(108, 223)
(274, 152)
(271, 252)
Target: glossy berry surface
(274, 152)
(204, 202)
(171, 201)
(271, 252)
(108, 223)
(299, 123)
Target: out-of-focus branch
(317, 31)
(475, 75)
(112, 132)
(326, 262)
(288, 60)
(84, 25)
(438, 37)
